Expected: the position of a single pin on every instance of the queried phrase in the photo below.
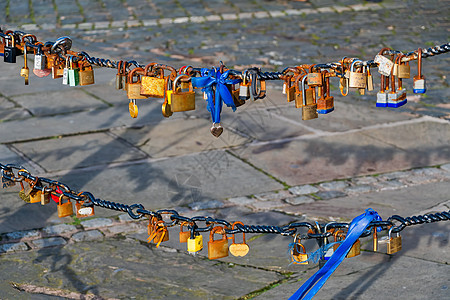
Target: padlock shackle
(175, 82)
(218, 230)
(297, 81)
(353, 64)
(132, 73)
(384, 49)
(243, 233)
(304, 90)
(419, 63)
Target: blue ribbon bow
(214, 79)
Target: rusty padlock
(64, 209)
(184, 101)
(217, 248)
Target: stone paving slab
(325, 158)
(141, 271)
(174, 181)
(178, 137)
(376, 276)
(79, 151)
(406, 202)
(347, 115)
(41, 104)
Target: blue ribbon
(315, 282)
(214, 79)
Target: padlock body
(45, 198)
(182, 101)
(404, 71)
(357, 80)
(325, 105)
(314, 79)
(309, 112)
(84, 211)
(86, 76)
(355, 250)
(382, 99)
(385, 65)
(134, 91)
(400, 101)
(218, 249)
(73, 76)
(239, 249)
(394, 245)
(40, 62)
(244, 91)
(35, 196)
(419, 86)
(184, 236)
(152, 87)
(65, 209)
(195, 244)
(10, 54)
(290, 93)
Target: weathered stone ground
(268, 167)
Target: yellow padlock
(195, 244)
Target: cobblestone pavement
(268, 167)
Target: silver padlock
(385, 65)
(40, 60)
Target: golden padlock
(134, 87)
(57, 68)
(157, 231)
(153, 86)
(184, 101)
(86, 74)
(357, 79)
(133, 108)
(314, 78)
(309, 108)
(184, 235)
(217, 248)
(298, 252)
(64, 209)
(325, 104)
(45, 197)
(240, 249)
(394, 244)
(35, 195)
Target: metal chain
(108, 63)
(137, 211)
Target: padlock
(10, 50)
(184, 235)
(217, 248)
(385, 65)
(73, 73)
(25, 71)
(382, 96)
(375, 239)
(234, 94)
(35, 194)
(288, 88)
(65, 76)
(183, 101)
(355, 250)
(401, 96)
(50, 58)
(159, 233)
(369, 79)
(86, 74)
(298, 252)
(419, 85)
(325, 104)
(134, 87)
(25, 191)
(45, 197)
(83, 211)
(58, 69)
(356, 79)
(166, 107)
(7, 182)
(394, 244)
(393, 95)
(309, 108)
(133, 108)
(338, 236)
(314, 78)
(40, 60)
(239, 249)
(244, 87)
(119, 76)
(404, 70)
(216, 129)
(298, 91)
(195, 244)
(64, 209)
(153, 86)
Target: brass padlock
(153, 86)
(355, 250)
(25, 71)
(298, 91)
(369, 80)
(309, 108)
(185, 101)
(419, 85)
(184, 235)
(217, 248)
(134, 87)
(25, 191)
(375, 239)
(84, 211)
(325, 104)
(64, 209)
(86, 74)
(239, 249)
(35, 195)
(314, 78)
(394, 244)
(298, 252)
(57, 68)
(404, 70)
(338, 236)
(166, 107)
(290, 89)
(133, 108)
(357, 79)
(119, 76)
(45, 197)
